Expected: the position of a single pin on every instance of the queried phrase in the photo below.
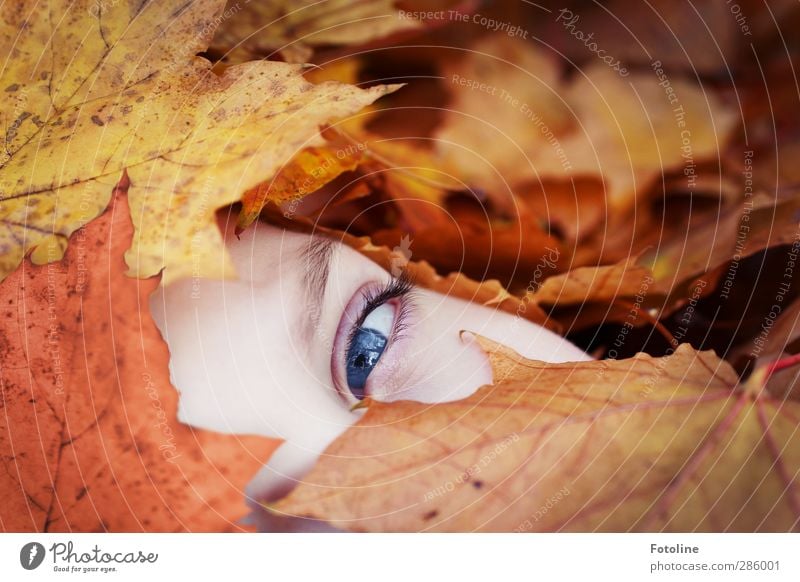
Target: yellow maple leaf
(98, 88)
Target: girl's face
(309, 329)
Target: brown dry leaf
(701, 40)
(625, 130)
(493, 87)
(89, 438)
(576, 208)
(401, 172)
(452, 227)
(304, 174)
(489, 292)
(594, 284)
(757, 223)
(411, 178)
(124, 89)
(777, 171)
(519, 253)
(644, 444)
(294, 28)
(775, 339)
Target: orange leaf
(89, 439)
(305, 173)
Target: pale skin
(267, 353)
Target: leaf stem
(660, 327)
(781, 364)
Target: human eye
(373, 322)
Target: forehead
(264, 252)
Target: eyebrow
(316, 257)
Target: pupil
(362, 356)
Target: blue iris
(362, 356)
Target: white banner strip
(400, 557)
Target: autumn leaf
(575, 208)
(776, 337)
(498, 69)
(627, 130)
(409, 176)
(511, 251)
(129, 93)
(305, 173)
(587, 296)
(452, 228)
(637, 34)
(756, 223)
(772, 352)
(89, 439)
(584, 284)
(645, 444)
(295, 28)
(408, 197)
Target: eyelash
(401, 288)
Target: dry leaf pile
(623, 175)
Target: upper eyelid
(394, 288)
(401, 286)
